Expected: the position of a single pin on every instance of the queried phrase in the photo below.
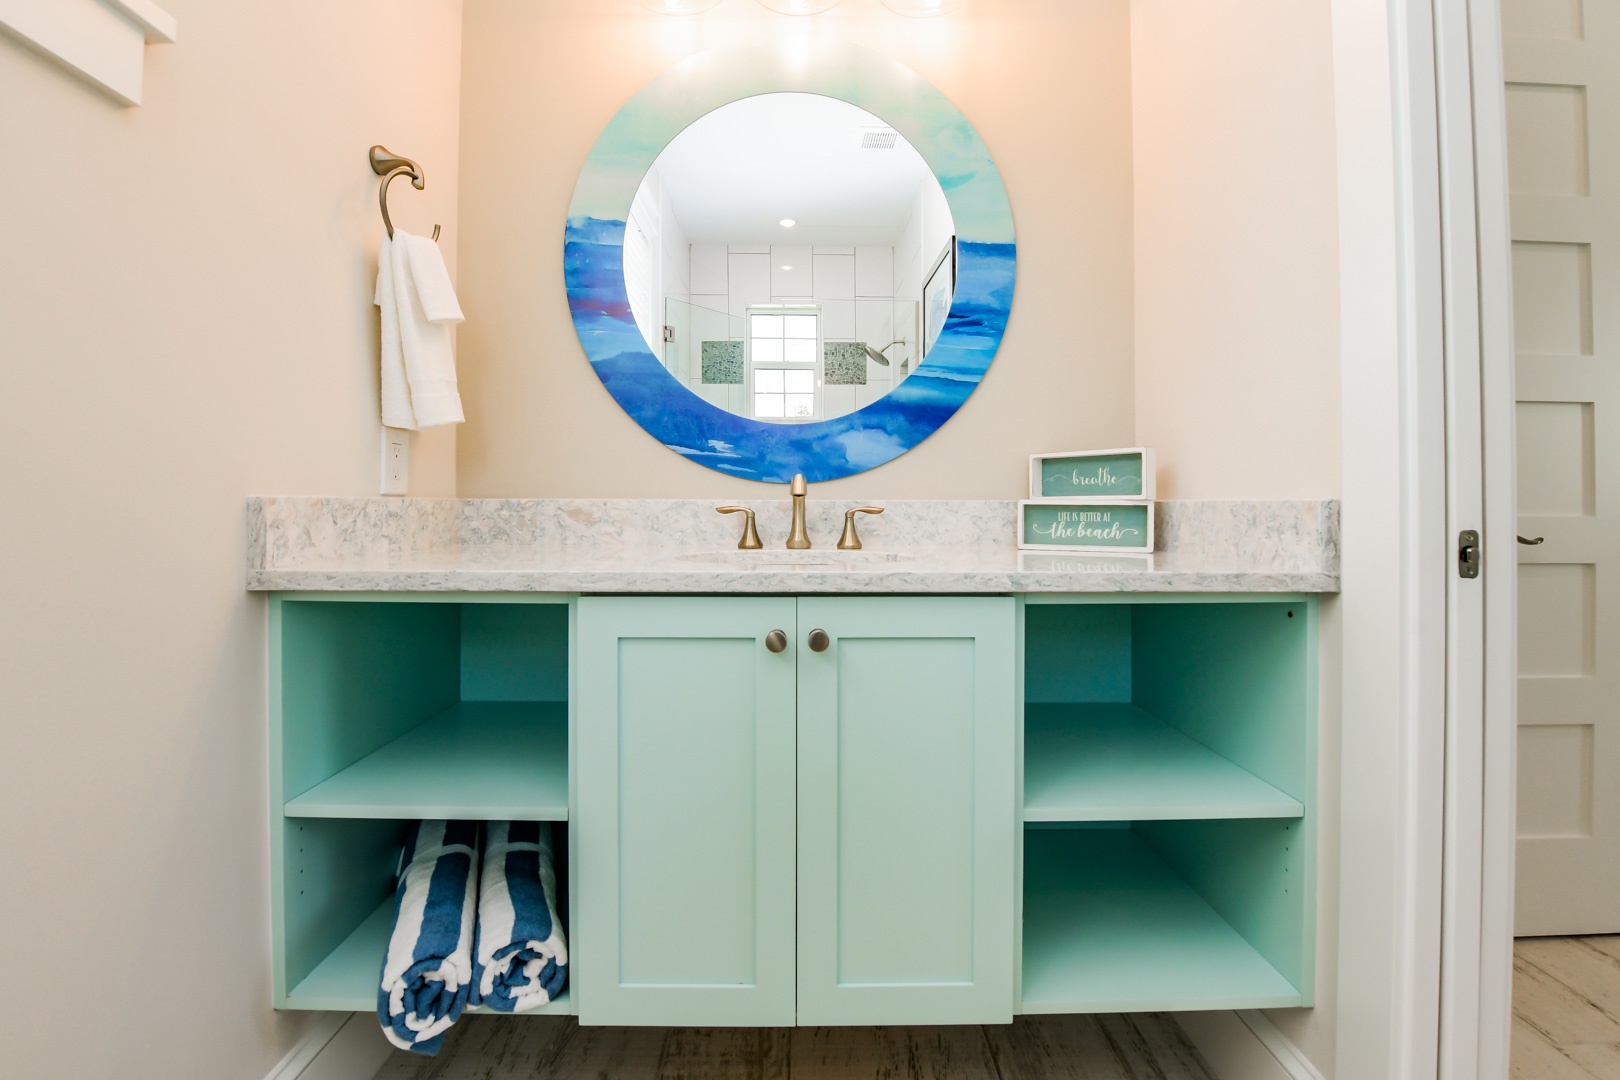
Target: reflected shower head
(877, 356)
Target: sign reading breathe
(1106, 474)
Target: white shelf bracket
(102, 41)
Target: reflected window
(784, 363)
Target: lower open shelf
(347, 980)
(1109, 927)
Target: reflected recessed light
(787, 267)
(787, 223)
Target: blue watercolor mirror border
(986, 263)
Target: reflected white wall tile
(716, 302)
(833, 249)
(749, 249)
(874, 271)
(837, 400)
(874, 322)
(750, 281)
(834, 277)
(790, 270)
(906, 326)
(838, 320)
(908, 254)
(872, 391)
(716, 394)
(708, 269)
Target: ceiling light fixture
(678, 7)
(800, 7)
(787, 223)
(922, 9)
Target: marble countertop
(683, 546)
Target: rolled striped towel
(427, 971)
(521, 958)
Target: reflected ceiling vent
(879, 138)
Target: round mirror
(768, 273)
(779, 253)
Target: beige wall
(185, 318)
(1237, 375)
(1045, 82)
(1237, 330)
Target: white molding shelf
(102, 41)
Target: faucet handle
(750, 536)
(850, 541)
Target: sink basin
(781, 559)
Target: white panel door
(1562, 60)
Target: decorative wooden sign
(1105, 475)
(1076, 525)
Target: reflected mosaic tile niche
(844, 363)
(723, 362)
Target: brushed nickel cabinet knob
(776, 641)
(819, 640)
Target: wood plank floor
(1143, 1046)
(1566, 1008)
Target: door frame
(1470, 181)
(1427, 740)
(1477, 914)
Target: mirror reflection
(790, 258)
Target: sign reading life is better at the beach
(1085, 526)
(1093, 474)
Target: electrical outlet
(396, 461)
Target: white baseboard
(1246, 1046)
(337, 1046)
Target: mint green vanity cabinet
(908, 822)
(897, 740)
(941, 809)
(684, 836)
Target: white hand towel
(396, 394)
(418, 308)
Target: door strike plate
(1468, 554)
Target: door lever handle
(1532, 543)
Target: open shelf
(1109, 927)
(347, 980)
(1116, 762)
(485, 761)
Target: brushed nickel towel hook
(387, 164)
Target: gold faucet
(851, 540)
(798, 539)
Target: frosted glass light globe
(922, 9)
(678, 7)
(800, 7)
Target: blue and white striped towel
(521, 959)
(427, 971)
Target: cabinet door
(684, 827)
(907, 820)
